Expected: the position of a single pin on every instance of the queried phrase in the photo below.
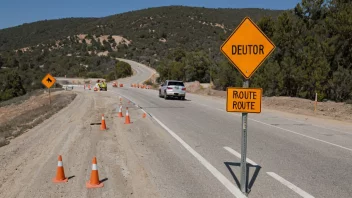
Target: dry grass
(21, 122)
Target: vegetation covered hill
(78, 46)
(313, 46)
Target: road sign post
(246, 48)
(244, 179)
(48, 81)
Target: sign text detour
(245, 100)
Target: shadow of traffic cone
(94, 176)
(103, 124)
(120, 112)
(144, 115)
(127, 120)
(60, 173)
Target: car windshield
(177, 83)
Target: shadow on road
(71, 177)
(256, 168)
(103, 180)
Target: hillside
(312, 46)
(153, 31)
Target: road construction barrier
(60, 173)
(127, 120)
(120, 115)
(94, 181)
(103, 124)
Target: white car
(172, 88)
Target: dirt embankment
(331, 110)
(23, 113)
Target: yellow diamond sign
(48, 80)
(247, 47)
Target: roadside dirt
(330, 110)
(21, 116)
(29, 162)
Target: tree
(12, 86)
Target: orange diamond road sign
(245, 100)
(48, 81)
(247, 47)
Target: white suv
(172, 88)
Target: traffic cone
(127, 120)
(89, 86)
(94, 176)
(120, 112)
(103, 124)
(60, 174)
(144, 115)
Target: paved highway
(185, 148)
(290, 155)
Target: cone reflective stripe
(127, 120)
(60, 173)
(120, 112)
(103, 124)
(94, 181)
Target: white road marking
(290, 185)
(317, 125)
(316, 139)
(303, 135)
(230, 186)
(235, 153)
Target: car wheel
(165, 96)
(182, 98)
(159, 93)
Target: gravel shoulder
(23, 113)
(326, 110)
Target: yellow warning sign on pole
(48, 81)
(244, 100)
(247, 47)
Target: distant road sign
(245, 100)
(247, 47)
(48, 81)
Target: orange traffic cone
(144, 115)
(103, 124)
(60, 174)
(89, 86)
(127, 120)
(120, 112)
(94, 176)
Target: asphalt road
(290, 155)
(181, 149)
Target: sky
(17, 12)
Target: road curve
(296, 155)
(185, 148)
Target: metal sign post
(49, 97)
(246, 48)
(244, 147)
